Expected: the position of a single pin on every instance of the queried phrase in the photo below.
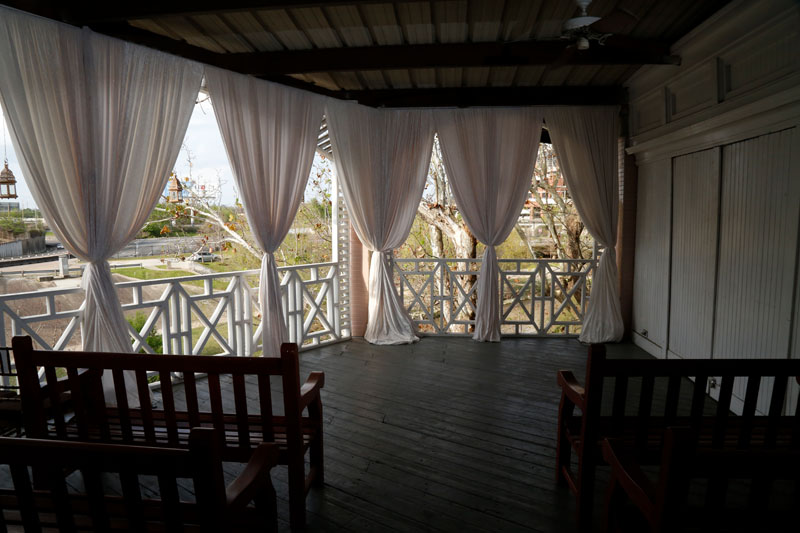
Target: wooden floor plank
(446, 435)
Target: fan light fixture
(583, 20)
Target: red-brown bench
(604, 400)
(91, 503)
(226, 408)
(700, 488)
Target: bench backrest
(47, 499)
(227, 405)
(632, 376)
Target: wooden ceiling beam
(484, 54)
(487, 96)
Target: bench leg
(297, 493)
(585, 492)
(563, 447)
(266, 502)
(316, 448)
(615, 496)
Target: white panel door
(651, 267)
(695, 204)
(759, 215)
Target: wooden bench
(607, 393)
(169, 425)
(731, 489)
(94, 502)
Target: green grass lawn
(148, 273)
(162, 273)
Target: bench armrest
(310, 389)
(254, 478)
(627, 472)
(571, 388)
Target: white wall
(717, 141)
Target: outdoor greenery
(153, 339)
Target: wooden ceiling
(406, 52)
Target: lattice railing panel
(212, 314)
(540, 297)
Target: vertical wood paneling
(758, 250)
(794, 388)
(695, 206)
(651, 270)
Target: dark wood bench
(612, 385)
(227, 411)
(702, 488)
(108, 496)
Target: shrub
(153, 339)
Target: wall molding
(776, 112)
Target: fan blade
(618, 21)
(565, 58)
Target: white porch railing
(211, 314)
(542, 297)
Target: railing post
(341, 255)
(300, 307)
(245, 316)
(232, 320)
(186, 325)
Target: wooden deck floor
(444, 435)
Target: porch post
(626, 232)
(359, 278)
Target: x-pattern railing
(212, 314)
(545, 297)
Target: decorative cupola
(175, 190)
(8, 183)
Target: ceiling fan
(584, 28)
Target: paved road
(136, 248)
(169, 245)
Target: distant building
(7, 207)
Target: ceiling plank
(122, 11)
(487, 96)
(442, 55)
(181, 48)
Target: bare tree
(438, 210)
(554, 205)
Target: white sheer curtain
(97, 124)
(270, 134)
(489, 155)
(382, 160)
(585, 140)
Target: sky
(203, 141)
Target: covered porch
(448, 434)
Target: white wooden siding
(757, 251)
(651, 271)
(695, 200)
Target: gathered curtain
(270, 135)
(585, 140)
(98, 124)
(489, 156)
(382, 159)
